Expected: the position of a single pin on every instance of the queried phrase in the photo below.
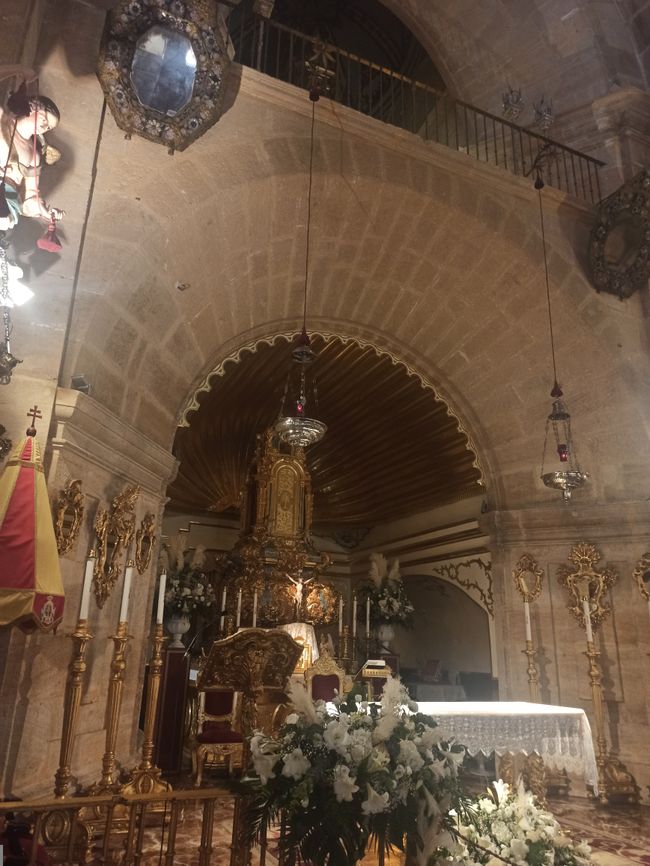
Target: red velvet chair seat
(325, 686)
(218, 732)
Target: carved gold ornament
(583, 581)
(145, 539)
(527, 568)
(452, 572)
(642, 575)
(114, 530)
(68, 514)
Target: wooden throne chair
(325, 679)
(218, 741)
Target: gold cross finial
(33, 413)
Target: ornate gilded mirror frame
(145, 539)
(619, 245)
(527, 567)
(68, 514)
(584, 581)
(196, 21)
(642, 569)
(114, 530)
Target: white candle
(529, 634)
(255, 608)
(368, 617)
(223, 608)
(126, 590)
(162, 586)
(341, 615)
(238, 609)
(354, 615)
(587, 616)
(84, 607)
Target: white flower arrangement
(374, 770)
(512, 827)
(389, 603)
(188, 589)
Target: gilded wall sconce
(642, 576)
(528, 577)
(68, 513)
(145, 538)
(114, 530)
(584, 582)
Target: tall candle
(85, 591)
(238, 609)
(529, 634)
(587, 616)
(162, 586)
(255, 608)
(223, 608)
(341, 615)
(354, 615)
(126, 590)
(368, 617)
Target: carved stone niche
(619, 246)
(163, 67)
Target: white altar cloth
(561, 736)
(304, 631)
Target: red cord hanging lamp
(296, 424)
(566, 474)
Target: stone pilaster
(90, 443)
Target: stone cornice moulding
(615, 523)
(90, 430)
(493, 180)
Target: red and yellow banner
(31, 591)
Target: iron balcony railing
(393, 98)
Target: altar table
(561, 736)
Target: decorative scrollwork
(451, 572)
(114, 530)
(322, 604)
(527, 565)
(642, 575)
(585, 582)
(68, 513)
(145, 539)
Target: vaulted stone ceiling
(391, 449)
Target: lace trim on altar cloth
(562, 740)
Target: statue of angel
(23, 150)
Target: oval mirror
(163, 70)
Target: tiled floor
(618, 836)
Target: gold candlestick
(531, 670)
(145, 778)
(72, 702)
(595, 681)
(587, 587)
(108, 781)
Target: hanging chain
(548, 288)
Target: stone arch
(435, 257)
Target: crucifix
(33, 413)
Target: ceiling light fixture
(568, 476)
(294, 425)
